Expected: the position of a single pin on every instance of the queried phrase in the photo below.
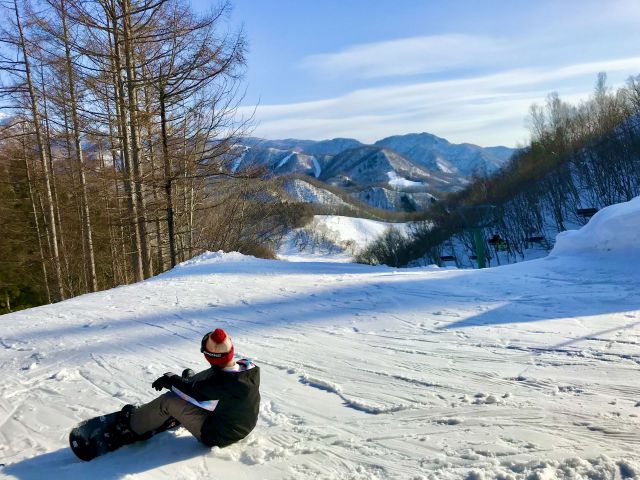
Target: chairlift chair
(586, 212)
(535, 239)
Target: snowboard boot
(122, 432)
(170, 424)
(187, 373)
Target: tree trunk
(43, 156)
(168, 188)
(88, 238)
(34, 210)
(130, 184)
(115, 157)
(135, 143)
(158, 230)
(107, 210)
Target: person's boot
(123, 434)
(187, 373)
(170, 424)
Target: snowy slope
(333, 238)
(360, 230)
(529, 371)
(302, 191)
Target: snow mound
(615, 228)
(209, 263)
(215, 257)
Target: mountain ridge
(437, 153)
(420, 165)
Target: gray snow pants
(153, 414)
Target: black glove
(163, 381)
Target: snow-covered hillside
(392, 199)
(529, 371)
(333, 238)
(301, 191)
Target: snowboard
(92, 438)
(97, 436)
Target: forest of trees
(581, 158)
(117, 141)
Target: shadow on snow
(386, 292)
(62, 464)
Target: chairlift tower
(474, 219)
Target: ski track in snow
(524, 371)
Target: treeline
(581, 158)
(117, 146)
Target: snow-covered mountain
(528, 371)
(435, 153)
(310, 147)
(370, 165)
(421, 166)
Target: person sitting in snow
(219, 406)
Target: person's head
(217, 348)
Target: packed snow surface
(529, 371)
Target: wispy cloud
(612, 13)
(489, 109)
(410, 56)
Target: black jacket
(238, 401)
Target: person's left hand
(163, 381)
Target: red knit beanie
(222, 352)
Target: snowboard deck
(96, 436)
(92, 438)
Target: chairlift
(535, 239)
(474, 218)
(497, 242)
(586, 212)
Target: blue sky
(466, 70)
